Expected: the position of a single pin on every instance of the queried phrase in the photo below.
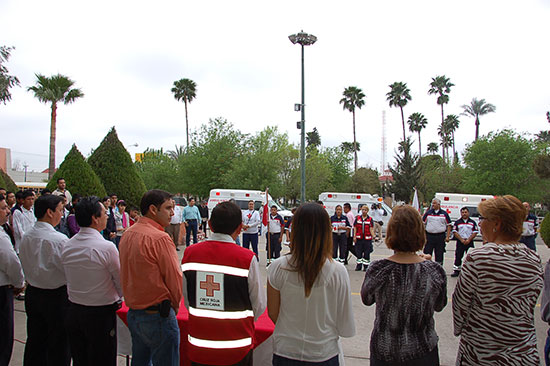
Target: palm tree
(185, 89)
(54, 89)
(451, 124)
(177, 153)
(417, 122)
(446, 140)
(477, 108)
(433, 147)
(399, 96)
(441, 86)
(353, 98)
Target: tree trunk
(419, 146)
(443, 145)
(477, 127)
(403, 122)
(186, 123)
(51, 166)
(354, 140)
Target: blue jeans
(251, 239)
(283, 361)
(154, 338)
(192, 226)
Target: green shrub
(78, 175)
(113, 165)
(7, 182)
(545, 230)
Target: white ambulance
(453, 202)
(241, 197)
(356, 200)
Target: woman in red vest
(308, 290)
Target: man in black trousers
(46, 301)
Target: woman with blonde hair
(308, 294)
(496, 294)
(407, 289)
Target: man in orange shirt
(152, 282)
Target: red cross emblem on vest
(209, 285)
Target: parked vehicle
(242, 196)
(356, 200)
(452, 203)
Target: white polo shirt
(40, 254)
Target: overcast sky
(125, 56)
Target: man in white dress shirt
(11, 282)
(175, 224)
(92, 269)
(24, 219)
(46, 301)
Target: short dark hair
(465, 208)
(155, 197)
(60, 178)
(45, 191)
(226, 218)
(76, 197)
(347, 205)
(274, 206)
(19, 195)
(113, 194)
(248, 201)
(27, 193)
(85, 209)
(2, 189)
(43, 203)
(104, 199)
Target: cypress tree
(7, 182)
(78, 175)
(113, 165)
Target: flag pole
(268, 232)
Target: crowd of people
(77, 258)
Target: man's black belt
(191, 220)
(435, 233)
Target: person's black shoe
(455, 273)
(358, 267)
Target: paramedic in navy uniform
(464, 230)
(340, 228)
(529, 228)
(438, 230)
(223, 293)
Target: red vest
(221, 319)
(362, 227)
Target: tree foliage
(160, 171)
(213, 149)
(113, 165)
(313, 138)
(405, 172)
(78, 175)
(436, 175)
(54, 89)
(353, 98)
(502, 163)
(186, 90)
(7, 182)
(364, 180)
(7, 81)
(259, 164)
(399, 96)
(477, 108)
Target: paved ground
(356, 349)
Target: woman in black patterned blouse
(407, 289)
(497, 291)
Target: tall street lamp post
(303, 39)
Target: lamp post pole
(303, 39)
